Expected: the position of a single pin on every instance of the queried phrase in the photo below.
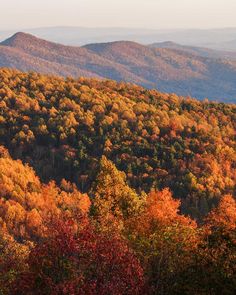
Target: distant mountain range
(170, 67)
(201, 51)
(223, 39)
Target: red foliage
(81, 262)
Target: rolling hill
(168, 69)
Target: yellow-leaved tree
(114, 201)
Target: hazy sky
(16, 14)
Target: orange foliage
(224, 215)
(161, 210)
(26, 205)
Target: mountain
(77, 36)
(172, 70)
(201, 51)
(61, 60)
(169, 70)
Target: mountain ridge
(168, 69)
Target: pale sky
(154, 14)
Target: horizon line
(116, 27)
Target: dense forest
(109, 188)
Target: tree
(80, 262)
(216, 253)
(164, 240)
(114, 200)
(12, 260)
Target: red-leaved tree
(82, 261)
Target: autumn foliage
(54, 241)
(107, 188)
(61, 127)
(81, 262)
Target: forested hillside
(62, 128)
(109, 188)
